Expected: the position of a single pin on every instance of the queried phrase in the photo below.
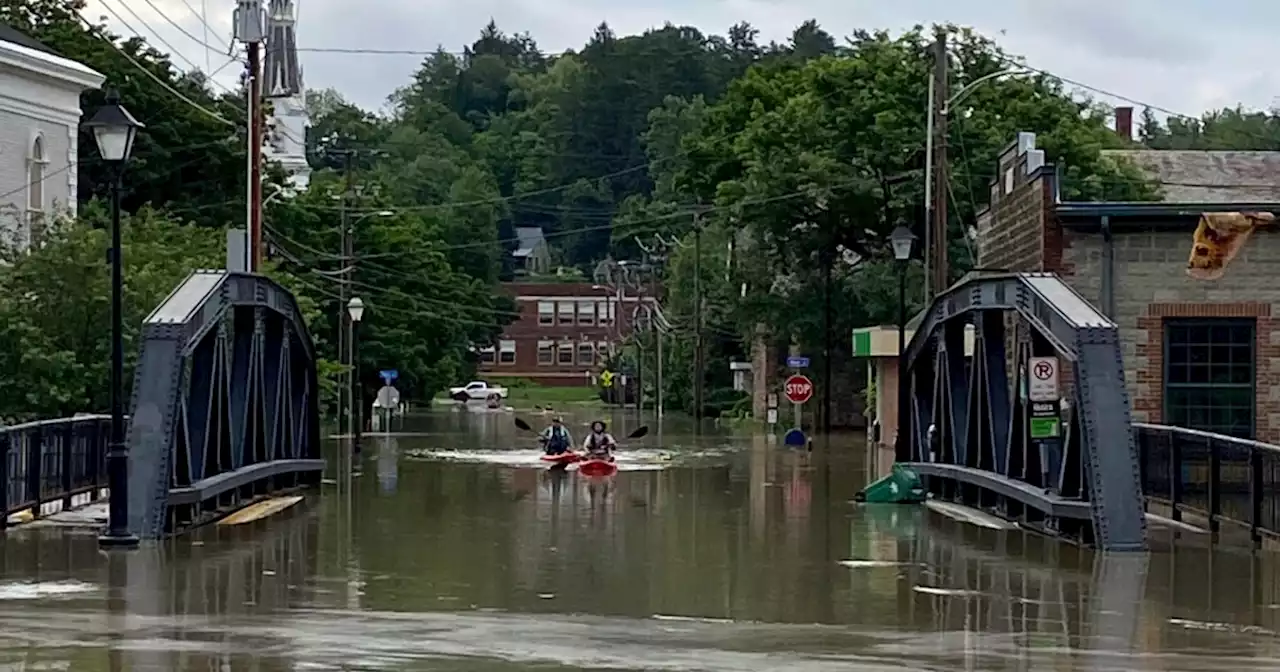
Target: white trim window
(567, 310)
(546, 313)
(37, 161)
(586, 313)
(506, 352)
(564, 353)
(488, 354)
(546, 353)
(586, 353)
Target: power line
(175, 24)
(97, 30)
(159, 38)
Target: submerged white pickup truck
(477, 390)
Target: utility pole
(938, 226)
(249, 29)
(345, 402)
(828, 254)
(255, 156)
(699, 365)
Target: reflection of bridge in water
(1019, 600)
(177, 606)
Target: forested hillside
(800, 154)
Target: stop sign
(799, 389)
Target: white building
(39, 131)
(282, 84)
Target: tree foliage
(803, 155)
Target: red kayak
(597, 467)
(562, 460)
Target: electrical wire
(97, 30)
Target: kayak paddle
(523, 425)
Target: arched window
(35, 176)
(36, 164)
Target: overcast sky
(1184, 55)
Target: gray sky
(1184, 55)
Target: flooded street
(456, 550)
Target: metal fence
(52, 460)
(1218, 477)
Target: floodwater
(454, 550)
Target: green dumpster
(901, 486)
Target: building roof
(1190, 176)
(26, 53)
(11, 34)
(527, 238)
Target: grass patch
(555, 397)
(524, 393)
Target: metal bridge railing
(1219, 477)
(52, 460)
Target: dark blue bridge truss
(225, 404)
(1087, 486)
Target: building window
(586, 354)
(36, 164)
(587, 313)
(506, 352)
(566, 312)
(546, 354)
(564, 354)
(605, 310)
(1209, 375)
(546, 313)
(605, 351)
(487, 354)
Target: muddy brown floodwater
(454, 550)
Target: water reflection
(734, 555)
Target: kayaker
(599, 443)
(556, 439)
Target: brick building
(1196, 354)
(564, 333)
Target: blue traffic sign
(798, 362)
(389, 375)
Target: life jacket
(597, 442)
(558, 437)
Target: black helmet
(598, 426)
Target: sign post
(798, 362)
(1045, 419)
(771, 413)
(798, 389)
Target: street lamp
(902, 240)
(114, 131)
(943, 113)
(355, 309)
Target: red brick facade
(568, 343)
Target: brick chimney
(1124, 122)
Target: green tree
(55, 300)
(813, 164)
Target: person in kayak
(599, 444)
(556, 439)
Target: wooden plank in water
(260, 510)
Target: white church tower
(286, 131)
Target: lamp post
(114, 131)
(355, 309)
(347, 275)
(902, 240)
